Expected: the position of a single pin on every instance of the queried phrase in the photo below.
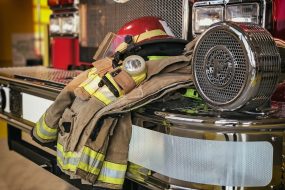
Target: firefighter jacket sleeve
(46, 128)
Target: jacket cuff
(49, 144)
(43, 133)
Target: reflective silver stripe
(67, 160)
(105, 95)
(90, 161)
(112, 173)
(44, 131)
(43, 125)
(88, 80)
(223, 163)
(92, 85)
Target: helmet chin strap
(149, 48)
(119, 56)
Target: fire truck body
(176, 151)
(89, 22)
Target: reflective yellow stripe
(91, 83)
(67, 154)
(88, 168)
(67, 160)
(149, 34)
(138, 171)
(112, 173)
(139, 78)
(113, 166)
(105, 95)
(43, 136)
(106, 179)
(88, 80)
(141, 37)
(154, 58)
(92, 71)
(66, 166)
(108, 75)
(93, 154)
(44, 131)
(46, 127)
(91, 161)
(92, 86)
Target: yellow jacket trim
(91, 161)
(93, 154)
(46, 127)
(67, 154)
(111, 180)
(92, 86)
(67, 160)
(112, 173)
(113, 166)
(139, 78)
(68, 166)
(108, 75)
(87, 81)
(155, 57)
(44, 131)
(87, 160)
(92, 71)
(44, 137)
(88, 168)
(104, 95)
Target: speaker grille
(225, 67)
(236, 65)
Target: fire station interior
(147, 95)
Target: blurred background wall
(15, 17)
(18, 17)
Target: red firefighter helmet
(147, 29)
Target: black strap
(108, 83)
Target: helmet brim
(157, 47)
(165, 40)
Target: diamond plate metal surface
(39, 74)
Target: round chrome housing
(236, 66)
(134, 65)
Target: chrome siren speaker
(236, 66)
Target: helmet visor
(110, 45)
(114, 42)
(117, 44)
